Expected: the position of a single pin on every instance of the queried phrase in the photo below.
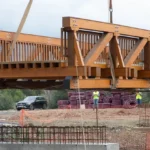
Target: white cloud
(45, 17)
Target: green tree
(6, 102)
(28, 92)
(9, 97)
(55, 95)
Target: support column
(147, 56)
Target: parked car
(32, 102)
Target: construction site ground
(122, 123)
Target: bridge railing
(30, 52)
(53, 135)
(30, 48)
(87, 40)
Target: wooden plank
(72, 22)
(133, 84)
(90, 83)
(97, 49)
(29, 84)
(131, 57)
(78, 50)
(106, 72)
(142, 74)
(5, 35)
(40, 72)
(20, 27)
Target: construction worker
(96, 96)
(139, 98)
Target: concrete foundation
(110, 146)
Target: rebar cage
(53, 135)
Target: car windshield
(29, 99)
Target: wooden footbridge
(91, 53)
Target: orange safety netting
(27, 115)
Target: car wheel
(44, 106)
(31, 107)
(18, 109)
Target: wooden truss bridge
(89, 54)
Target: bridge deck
(83, 43)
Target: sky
(45, 16)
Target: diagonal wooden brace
(20, 28)
(97, 49)
(118, 52)
(78, 50)
(133, 54)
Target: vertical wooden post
(147, 56)
(71, 51)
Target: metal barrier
(53, 135)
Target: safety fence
(53, 135)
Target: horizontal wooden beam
(106, 72)
(30, 38)
(131, 84)
(72, 22)
(106, 84)
(90, 83)
(144, 74)
(40, 72)
(31, 84)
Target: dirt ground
(122, 123)
(109, 117)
